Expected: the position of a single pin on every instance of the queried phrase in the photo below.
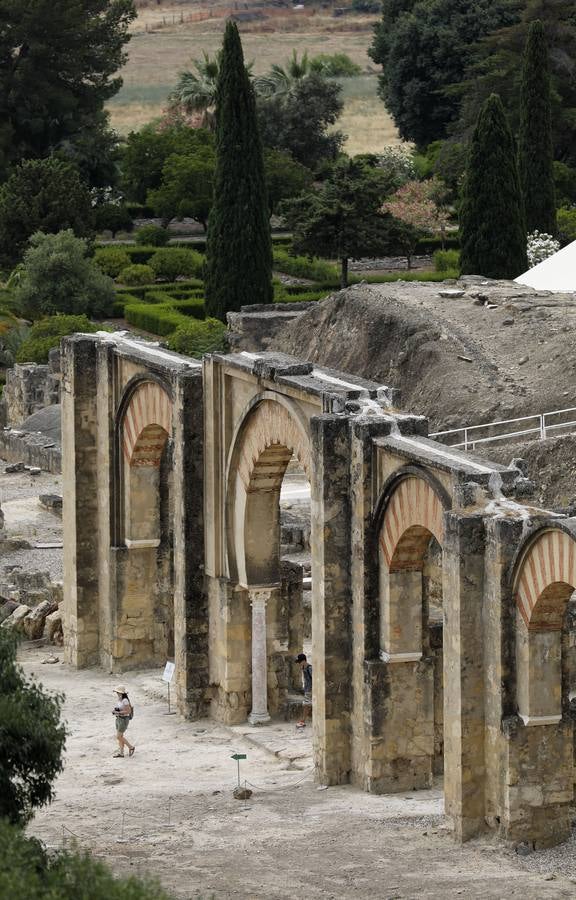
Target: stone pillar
(190, 591)
(464, 761)
(332, 600)
(80, 506)
(258, 600)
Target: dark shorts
(122, 723)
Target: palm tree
(281, 80)
(195, 92)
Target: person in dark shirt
(307, 685)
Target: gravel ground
(26, 519)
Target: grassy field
(158, 54)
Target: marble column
(259, 713)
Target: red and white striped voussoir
(413, 503)
(150, 411)
(549, 560)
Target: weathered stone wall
(30, 387)
(440, 639)
(31, 448)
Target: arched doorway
(542, 750)
(410, 540)
(144, 614)
(270, 436)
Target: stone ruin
(30, 605)
(442, 624)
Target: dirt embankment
(498, 351)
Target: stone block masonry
(440, 639)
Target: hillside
(501, 350)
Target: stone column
(259, 714)
(464, 725)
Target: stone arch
(145, 422)
(414, 513)
(544, 580)
(271, 431)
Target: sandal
(117, 755)
(131, 751)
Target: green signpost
(238, 757)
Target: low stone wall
(31, 448)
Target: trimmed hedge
(302, 267)
(158, 318)
(192, 307)
(427, 246)
(136, 275)
(196, 338)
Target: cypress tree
(239, 245)
(492, 223)
(535, 154)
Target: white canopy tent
(557, 273)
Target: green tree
(146, 151)
(344, 219)
(301, 122)
(32, 739)
(497, 67)
(195, 91)
(186, 188)
(423, 48)
(239, 245)
(29, 872)
(59, 64)
(492, 223)
(41, 195)
(285, 177)
(59, 277)
(535, 155)
(281, 80)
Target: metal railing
(536, 427)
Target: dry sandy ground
(291, 839)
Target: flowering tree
(540, 247)
(418, 203)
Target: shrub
(136, 274)
(445, 260)
(157, 318)
(152, 234)
(335, 65)
(111, 260)
(112, 217)
(122, 300)
(173, 262)
(540, 246)
(58, 277)
(195, 338)
(566, 219)
(29, 872)
(140, 210)
(46, 333)
(303, 267)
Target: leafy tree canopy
(498, 69)
(146, 151)
(59, 64)
(423, 48)
(59, 277)
(298, 121)
(32, 739)
(187, 186)
(285, 177)
(41, 195)
(343, 219)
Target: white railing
(537, 427)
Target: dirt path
(290, 839)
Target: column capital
(261, 593)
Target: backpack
(131, 716)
